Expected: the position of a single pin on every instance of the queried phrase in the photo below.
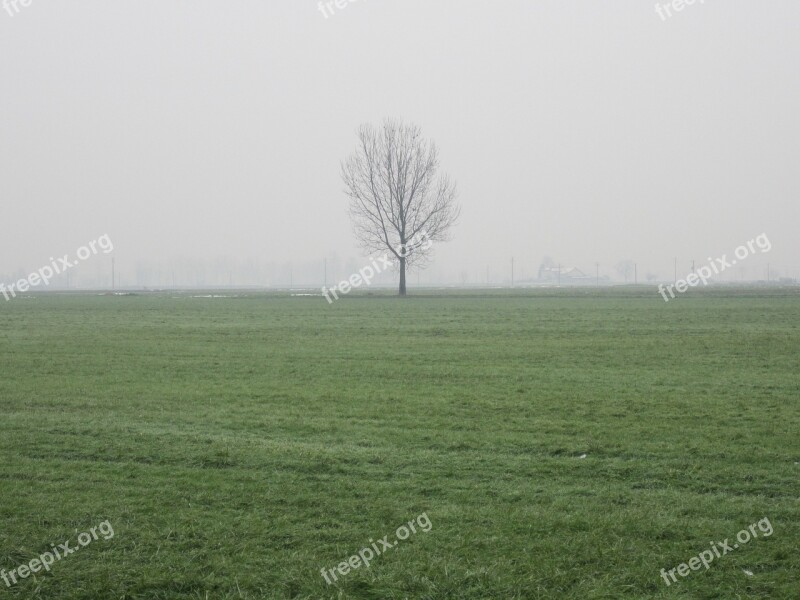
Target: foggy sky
(582, 130)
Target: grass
(239, 445)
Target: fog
(205, 138)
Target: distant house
(562, 274)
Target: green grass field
(240, 445)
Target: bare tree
(398, 200)
(625, 268)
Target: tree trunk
(402, 276)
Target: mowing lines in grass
(707, 556)
(366, 555)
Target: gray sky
(583, 130)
